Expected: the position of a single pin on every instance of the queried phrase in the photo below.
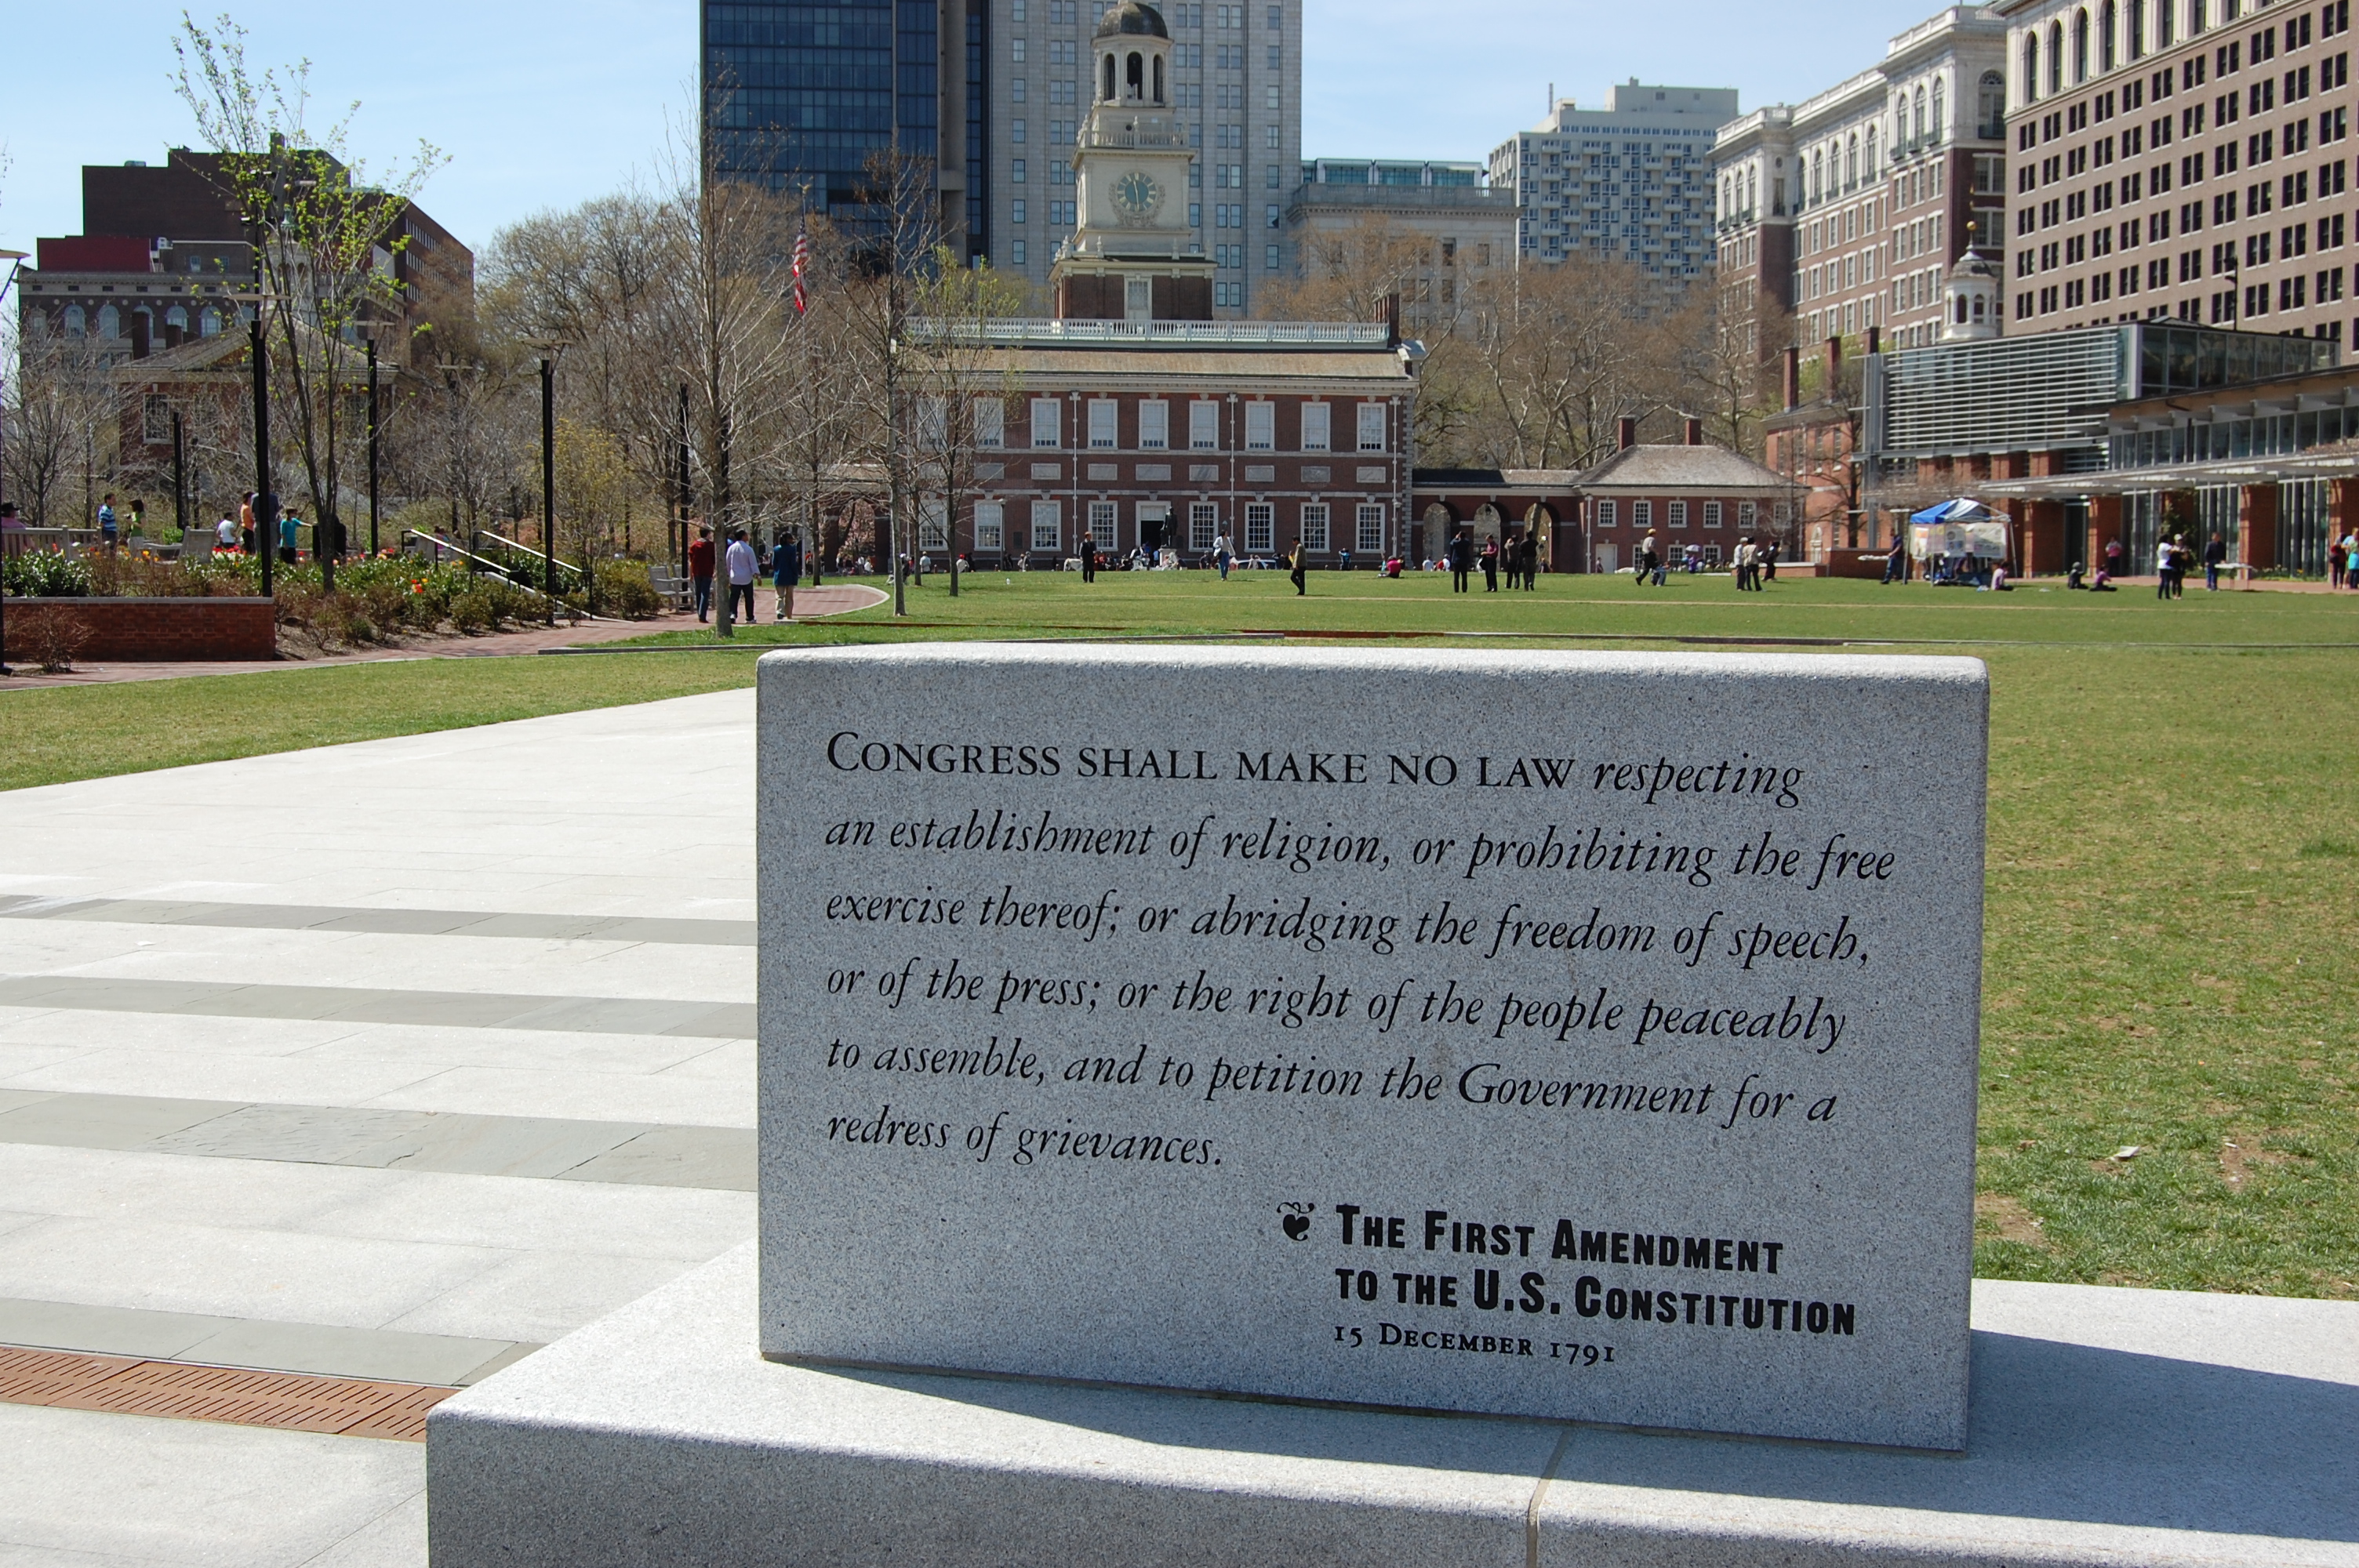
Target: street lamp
(371, 340)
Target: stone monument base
(2109, 1426)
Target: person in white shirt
(225, 534)
(743, 567)
(1221, 554)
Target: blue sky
(543, 105)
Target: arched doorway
(1488, 523)
(1539, 525)
(1438, 522)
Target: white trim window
(1712, 513)
(1046, 416)
(1315, 425)
(1607, 513)
(1203, 523)
(1372, 427)
(1678, 509)
(1104, 423)
(1047, 527)
(933, 522)
(1261, 527)
(1261, 426)
(1204, 426)
(1642, 515)
(1371, 527)
(1153, 426)
(1748, 514)
(990, 526)
(990, 423)
(1101, 522)
(1314, 524)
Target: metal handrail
(499, 568)
(527, 549)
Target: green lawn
(2173, 894)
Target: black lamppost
(371, 440)
(266, 505)
(548, 481)
(179, 484)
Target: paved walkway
(401, 1092)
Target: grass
(55, 734)
(2172, 872)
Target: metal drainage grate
(290, 1401)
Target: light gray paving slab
(104, 1121)
(683, 1225)
(539, 1296)
(336, 1352)
(170, 1071)
(2106, 1438)
(395, 1539)
(583, 1095)
(718, 1021)
(181, 1494)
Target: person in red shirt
(699, 571)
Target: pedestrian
(2164, 554)
(743, 568)
(1344, 559)
(225, 534)
(1895, 563)
(1297, 562)
(1221, 554)
(139, 517)
(786, 571)
(2337, 556)
(2216, 553)
(1646, 558)
(1460, 552)
(1766, 556)
(1531, 563)
(1089, 557)
(290, 536)
(1490, 566)
(107, 535)
(1741, 565)
(700, 570)
(2114, 556)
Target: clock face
(1137, 197)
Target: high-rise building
(1628, 180)
(803, 95)
(1463, 230)
(2175, 157)
(1848, 209)
(1236, 95)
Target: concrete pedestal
(2109, 1427)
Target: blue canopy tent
(1960, 527)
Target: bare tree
(954, 362)
(58, 399)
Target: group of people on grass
(1518, 555)
(744, 566)
(1754, 563)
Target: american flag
(802, 261)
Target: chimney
(1833, 367)
(1626, 433)
(139, 325)
(172, 335)
(1793, 379)
(1874, 340)
(1392, 320)
(1694, 431)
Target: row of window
(75, 321)
(1607, 513)
(2332, 18)
(1044, 529)
(2298, 292)
(2291, 190)
(2291, 241)
(1314, 424)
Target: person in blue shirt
(290, 535)
(107, 534)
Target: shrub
(475, 610)
(46, 574)
(53, 635)
(623, 589)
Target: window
(1314, 426)
(1371, 530)
(1153, 426)
(1044, 421)
(1101, 523)
(1204, 426)
(77, 323)
(1678, 511)
(110, 321)
(1203, 523)
(1314, 524)
(933, 523)
(1015, 211)
(990, 423)
(990, 526)
(1607, 513)
(1372, 427)
(1712, 513)
(1261, 426)
(1015, 252)
(1102, 411)
(1642, 515)
(1047, 527)
(1260, 527)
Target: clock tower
(1134, 255)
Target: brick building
(2175, 157)
(1690, 493)
(1499, 504)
